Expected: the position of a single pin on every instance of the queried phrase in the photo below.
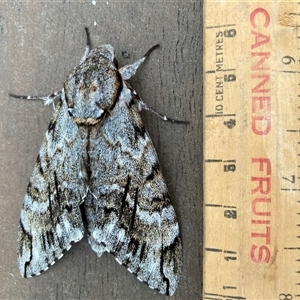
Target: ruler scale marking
(251, 160)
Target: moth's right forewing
(130, 214)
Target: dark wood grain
(39, 44)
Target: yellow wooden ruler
(251, 150)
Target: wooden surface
(39, 44)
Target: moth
(97, 172)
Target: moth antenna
(87, 47)
(49, 99)
(150, 50)
(88, 39)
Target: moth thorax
(88, 99)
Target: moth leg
(142, 105)
(87, 47)
(49, 99)
(130, 70)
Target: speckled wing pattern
(131, 215)
(50, 218)
(97, 170)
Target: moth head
(92, 89)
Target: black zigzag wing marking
(130, 214)
(50, 218)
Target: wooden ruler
(251, 150)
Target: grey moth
(97, 172)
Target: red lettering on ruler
(261, 125)
(263, 185)
(260, 254)
(265, 235)
(265, 80)
(264, 101)
(260, 39)
(255, 205)
(263, 56)
(264, 163)
(254, 17)
(261, 118)
(260, 210)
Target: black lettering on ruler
(292, 180)
(230, 33)
(230, 214)
(223, 33)
(229, 165)
(287, 60)
(230, 123)
(230, 77)
(283, 296)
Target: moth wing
(130, 213)
(50, 217)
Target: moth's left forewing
(50, 217)
(130, 214)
